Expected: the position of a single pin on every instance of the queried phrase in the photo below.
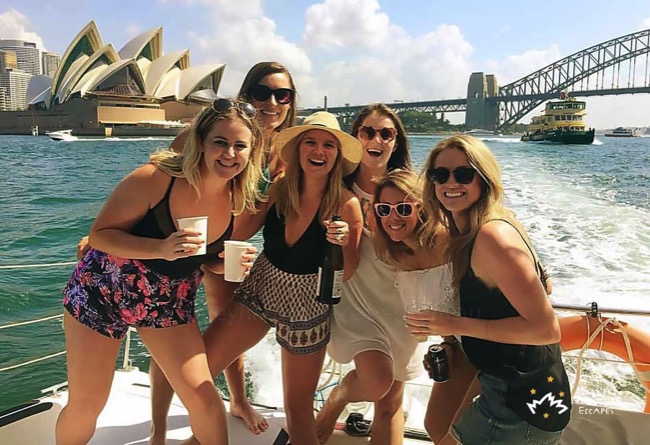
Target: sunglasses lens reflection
(404, 209)
(262, 93)
(463, 175)
(386, 134)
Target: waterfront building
(50, 63)
(3, 99)
(27, 54)
(15, 84)
(97, 90)
(8, 60)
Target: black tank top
(305, 256)
(479, 301)
(159, 224)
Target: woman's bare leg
(218, 294)
(91, 364)
(449, 398)
(180, 353)
(388, 423)
(232, 333)
(300, 375)
(370, 381)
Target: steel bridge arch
(566, 72)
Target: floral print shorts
(108, 294)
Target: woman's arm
(501, 259)
(351, 214)
(127, 205)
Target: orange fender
(575, 334)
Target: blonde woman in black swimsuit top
(130, 276)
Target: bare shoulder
(147, 179)
(498, 235)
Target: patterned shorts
(286, 302)
(108, 294)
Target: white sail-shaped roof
(104, 57)
(85, 44)
(179, 84)
(178, 60)
(111, 70)
(43, 97)
(147, 45)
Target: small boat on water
(562, 122)
(126, 416)
(622, 132)
(477, 132)
(61, 135)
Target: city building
(27, 54)
(97, 90)
(3, 98)
(50, 63)
(15, 84)
(8, 60)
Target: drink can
(438, 364)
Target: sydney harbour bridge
(615, 67)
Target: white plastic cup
(198, 223)
(233, 269)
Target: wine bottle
(330, 273)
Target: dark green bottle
(330, 274)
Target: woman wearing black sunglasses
(269, 87)
(507, 326)
(367, 326)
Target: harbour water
(586, 207)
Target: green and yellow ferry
(562, 122)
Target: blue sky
(357, 51)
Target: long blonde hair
(288, 188)
(410, 185)
(188, 163)
(489, 205)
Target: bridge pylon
(482, 109)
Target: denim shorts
(488, 421)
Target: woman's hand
(82, 247)
(181, 244)
(338, 232)
(432, 323)
(247, 260)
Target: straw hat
(351, 150)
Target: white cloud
(517, 66)
(341, 23)
(14, 24)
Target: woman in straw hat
(280, 291)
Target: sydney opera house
(97, 90)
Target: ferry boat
(622, 132)
(562, 122)
(126, 417)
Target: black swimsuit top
(305, 256)
(159, 224)
(477, 300)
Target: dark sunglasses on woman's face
(403, 209)
(262, 93)
(223, 105)
(386, 134)
(463, 175)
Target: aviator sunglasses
(386, 134)
(403, 209)
(222, 105)
(262, 93)
(463, 175)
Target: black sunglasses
(262, 93)
(386, 134)
(463, 175)
(223, 105)
(403, 209)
